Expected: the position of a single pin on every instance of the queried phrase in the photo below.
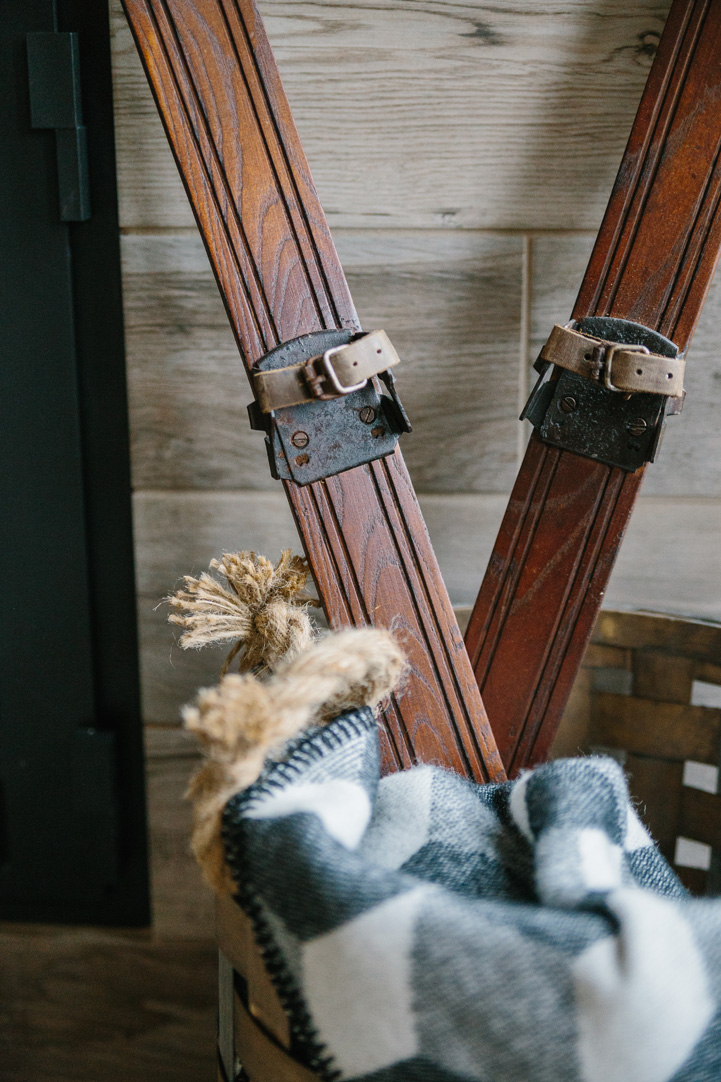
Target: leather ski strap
(229, 125)
(652, 264)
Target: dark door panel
(71, 777)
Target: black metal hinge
(54, 79)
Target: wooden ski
(652, 263)
(229, 125)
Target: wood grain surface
(451, 303)
(659, 729)
(179, 532)
(182, 901)
(84, 1005)
(452, 113)
(653, 261)
(229, 125)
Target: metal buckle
(610, 351)
(333, 377)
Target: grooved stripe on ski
(318, 283)
(345, 573)
(427, 675)
(317, 263)
(232, 208)
(629, 195)
(326, 570)
(651, 160)
(560, 685)
(573, 543)
(689, 262)
(434, 653)
(245, 269)
(437, 646)
(569, 612)
(516, 513)
(517, 563)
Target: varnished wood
(653, 262)
(263, 1060)
(230, 128)
(653, 729)
(236, 941)
(700, 817)
(649, 727)
(656, 785)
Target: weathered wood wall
(464, 156)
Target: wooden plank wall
(463, 153)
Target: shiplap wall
(463, 153)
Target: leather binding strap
(229, 125)
(613, 385)
(618, 366)
(652, 264)
(336, 372)
(319, 406)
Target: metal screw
(568, 404)
(300, 439)
(302, 460)
(367, 415)
(637, 426)
(379, 430)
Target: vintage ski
(652, 264)
(229, 125)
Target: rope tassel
(303, 681)
(244, 721)
(262, 610)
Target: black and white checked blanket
(422, 928)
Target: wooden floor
(105, 1005)
(87, 1005)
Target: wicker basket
(640, 696)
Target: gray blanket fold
(421, 928)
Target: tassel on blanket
(246, 719)
(263, 610)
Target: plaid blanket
(421, 928)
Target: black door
(72, 825)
